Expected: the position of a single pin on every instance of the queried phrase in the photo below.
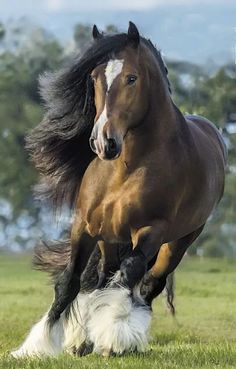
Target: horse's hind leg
(169, 256)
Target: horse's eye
(131, 79)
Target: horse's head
(121, 96)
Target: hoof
(85, 349)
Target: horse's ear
(96, 34)
(133, 34)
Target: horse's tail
(52, 258)
(169, 292)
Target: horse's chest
(112, 217)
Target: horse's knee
(84, 349)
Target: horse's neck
(158, 127)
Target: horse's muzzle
(109, 150)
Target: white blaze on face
(113, 69)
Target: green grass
(203, 335)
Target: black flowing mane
(59, 145)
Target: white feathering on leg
(42, 340)
(75, 327)
(109, 318)
(117, 324)
(65, 334)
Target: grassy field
(203, 334)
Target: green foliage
(2, 31)
(111, 28)
(196, 92)
(19, 112)
(201, 336)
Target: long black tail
(55, 256)
(52, 257)
(169, 293)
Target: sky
(193, 30)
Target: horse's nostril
(111, 143)
(111, 148)
(92, 144)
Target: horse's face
(121, 100)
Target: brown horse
(150, 177)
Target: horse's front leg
(56, 331)
(112, 254)
(169, 256)
(109, 262)
(146, 244)
(127, 321)
(68, 284)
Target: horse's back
(210, 132)
(209, 155)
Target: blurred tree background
(24, 55)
